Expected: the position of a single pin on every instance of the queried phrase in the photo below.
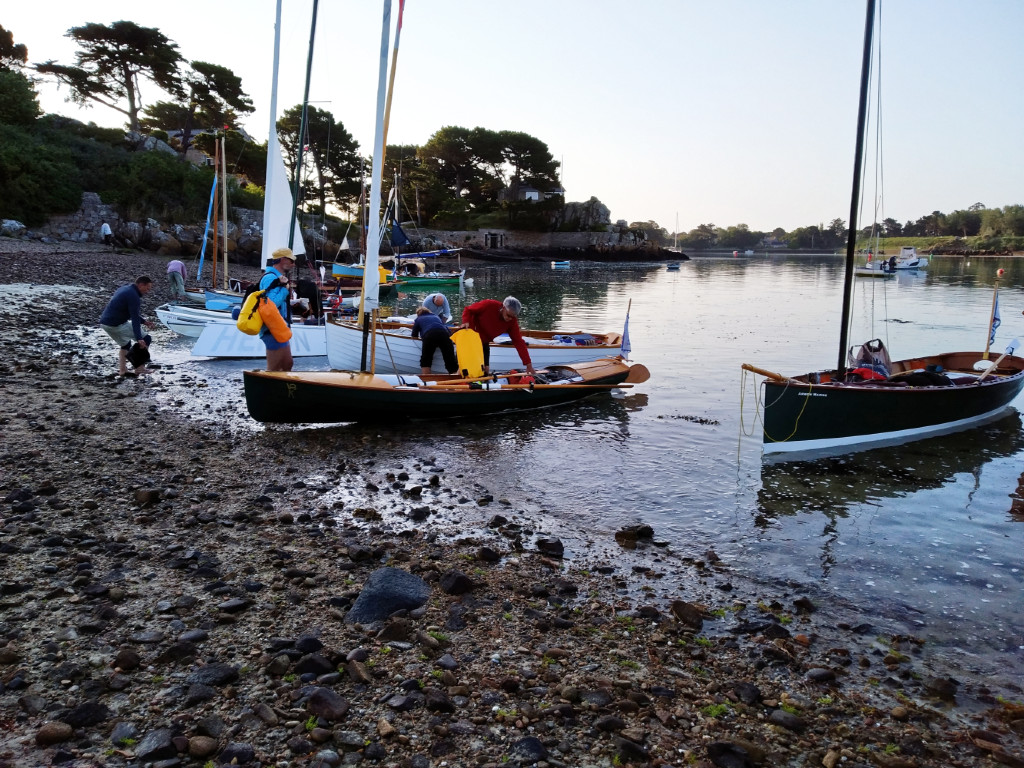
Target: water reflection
(832, 486)
(491, 440)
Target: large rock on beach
(386, 591)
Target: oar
(638, 374)
(1009, 351)
(767, 374)
(565, 386)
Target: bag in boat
(276, 324)
(249, 319)
(469, 349)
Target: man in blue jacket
(122, 320)
(275, 282)
(435, 336)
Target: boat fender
(276, 324)
(249, 320)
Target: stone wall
(83, 225)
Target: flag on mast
(996, 321)
(626, 347)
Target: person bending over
(492, 318)
(435, 336)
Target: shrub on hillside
(37, 180)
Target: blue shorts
(271, 343)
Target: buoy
(1000, 272)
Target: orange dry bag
(275, 323)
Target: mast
(302, 124)
(216, 208)
(858, 161)
(224, 186)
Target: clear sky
(719, 112)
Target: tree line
(460, 178)
(459, 175)
(991, 225)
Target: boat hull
(800, 416)
(393, 352)
(330, 397)
(189, 320)
(224, 340)
(409, 282)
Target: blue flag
(996, 322)
(397, 235)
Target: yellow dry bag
(470, 350)
(249, 320)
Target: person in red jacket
(492, 318)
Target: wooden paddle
(990, 369)
(565, 386)
(638, 374)
(767, 374)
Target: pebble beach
(172, 596)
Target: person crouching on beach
(122, 320)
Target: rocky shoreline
(172, 596)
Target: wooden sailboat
(867, 399)
(337, 396)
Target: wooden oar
(565, 386)
(638, 374)
(767, 374)
(992, 368)
(1009, 351)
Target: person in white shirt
(438, 305)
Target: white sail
(278, 207)
(371, 273)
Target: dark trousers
(438, 338)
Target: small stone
(53, 732)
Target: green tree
(110, 63)
(12, 56)
(703, 237)
(739, 237)
(215, 99)
(244, 158)
(18, 101)
(449, 158)
(37, 179)
(330, 157)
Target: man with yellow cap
(275, 283)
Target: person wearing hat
(492, 318)
(275, 283)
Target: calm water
(920, 538)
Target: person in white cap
(492, 318)
(275, 283)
